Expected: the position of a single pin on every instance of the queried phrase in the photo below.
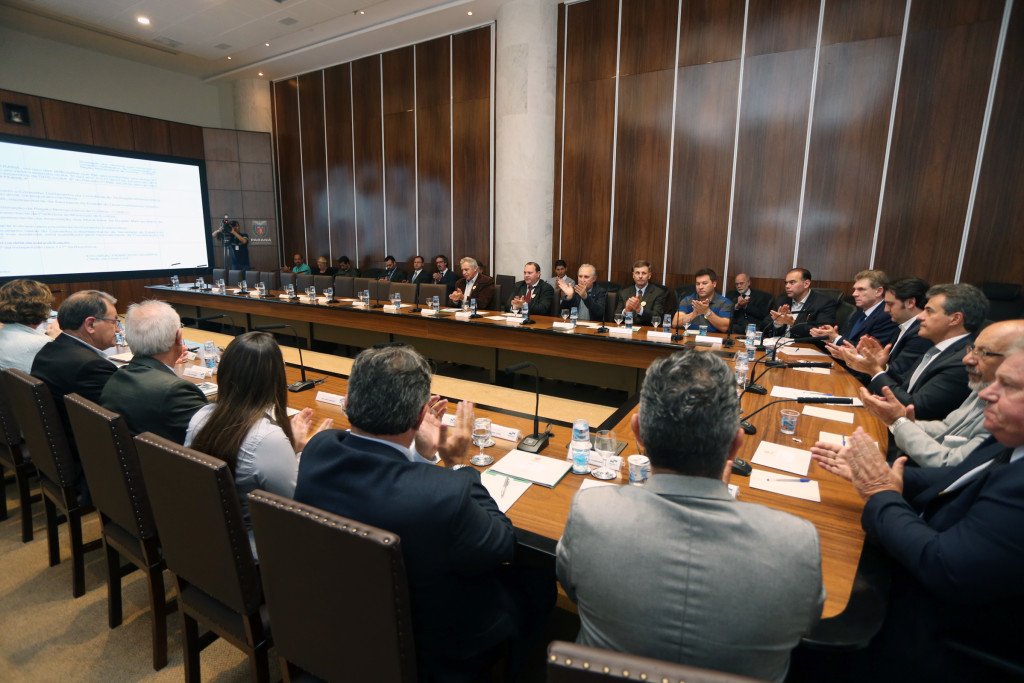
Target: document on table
(781, 457)
(504, 490)
(816, 371)
(790, 392)
(795, 487)
(829, 414)
(799, 351)
(539, 469)
(593, 483)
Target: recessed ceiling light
(470, 13)
(260, 73)
(267, 44)
(229, 56)
(143, 20)
(362, 11)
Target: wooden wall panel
(369, 160)
(150, 135)
(586, 200)
(433, 119)
(35, 127)
(773, 129)
(289, 167)
(995, 251)
(648, 35)
(556, 219)
(186, 140)
(111, 129)
(642, 164)
(856, 75)
(946, 71)
(591, 37)
(314, 165)
(471, 146)
(400, 152)
(711, 41)
(67, 121)
(338, 122)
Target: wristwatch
(459, 466)
(895, 425)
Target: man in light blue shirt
(705, 306)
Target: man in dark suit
(473, 285)
(750, 306)
(644, 299)
(938, 382)
(903, 302)
(957, 536)
(454, 539)
(419, 275)
(443, 275)
(800, 308)
(75, 361)
(392, 273)
(534, 291)
(869, 319)
(146, 391)
(586, 296)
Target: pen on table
(504, 487)
(844, 440)
(790, 480)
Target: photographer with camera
(236, 244)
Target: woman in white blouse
(248, 427)
(24, 307)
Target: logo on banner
(260, 233)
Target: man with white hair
(473, 285)
(146, 391)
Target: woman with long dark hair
(248, 427)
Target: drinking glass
(329, 293)
(482, 439)
(261, 287)
(515, 307)
(290, 289)
(174, 281)
(398, 299)
(605, 444)
(200, 284)
(220, 285)
(618, 318)
(243, 286)
(565, 315)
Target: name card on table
(333, 399)
(198, 372)
(208, 388)
(621, 331)
(562, 326)
(428, 311)
(497, 431)
(392, 307)
(463, 315)
(707, 339)
(653, 335)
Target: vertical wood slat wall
(389, 154)
(758, 134)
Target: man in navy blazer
(454, 539)
(871, 318)
(798, 310)
(444, 275)
(937, 384)
(957, 536)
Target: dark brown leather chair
(206, 547)
(303, 281)
(119, 493)
(322, 282)
(41, 426)
(218, 274)
(336, 593)
(497, 303)
(14, 457)
(572, 663)
(287, 279)
(406, 289)
(234, 277)
(343, 286)
(270, 279)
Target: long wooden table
(539, 516)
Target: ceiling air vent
(288, 21)
(168, 42)
(222, 46)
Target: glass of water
(435, 303)
(482, 439)
(220, 285)
(290, 290)
(574, 315)
(605, 444)
(565, 314)
(628, 317)
(618, 318)
(200, 284)
(666, 323)
(261, 288)
(174, 281)
(397, 299)
(329, 293)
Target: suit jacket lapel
(927, 499)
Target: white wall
(46, 68)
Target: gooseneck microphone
(216, 316)
(534, 443)
(303, 384)
(834, 400)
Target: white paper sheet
(789, 392)
(539, 469)
(786, 486)
(781, 457)
(504, 490)
(799, 351)
(828, 414)
(816, 371)
(593, 483)
(830, 437)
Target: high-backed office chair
(336, 593)
(497, 302)
(303, 281)
(252, 277)
(206, 547)
(364, 283)
(41, 426)
(572, 663)
(507, 282)
(218, 274)
(830, 292)
(14, 457)
(1005, 300)
(322, 282)
(610, 305)
(406, 289)
(843, 313)
(432, 290)
(270, 279)
(119, 493)
(343, 286)
(234, 277)
(287, 279)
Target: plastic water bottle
(435, 303)
(666, 323)
(751, 347)
(472, 306)
(526, 310)
(579, 449)
(627, 318)
(742, 366)
(574, 315)
(750, 333)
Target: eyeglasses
(984, 353)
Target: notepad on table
(781, 457)
(794, 487)
(539, 469)
(504, 490)
(829, 414)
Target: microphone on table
(216, 316)
(834, 400)
(773, 362)
(536, 442)
(604, 319)
(676, 336)
(416, 299)
(376, 289)
(303, 384)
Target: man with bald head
(750, 306)
(586, 296)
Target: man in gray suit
(147, 392)
(679, 570)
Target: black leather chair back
(252, 277)
(218, 274)
(844, 312)
(497, 302)
(234, 277)
(572, 663)
(322, 282)
(303, 281)
(111, 465)
(41, 426)
(611, 305)
(199, 521)
(287, 279)
(406, 289)
(270, 279)
(10, 434)
(363, 283)
(432, 290)
(343, 286)
(336, 591)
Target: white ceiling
(197, 36)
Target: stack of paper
(539, 469)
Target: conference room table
(854, 574)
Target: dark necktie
(858, 325)
(529, 294)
